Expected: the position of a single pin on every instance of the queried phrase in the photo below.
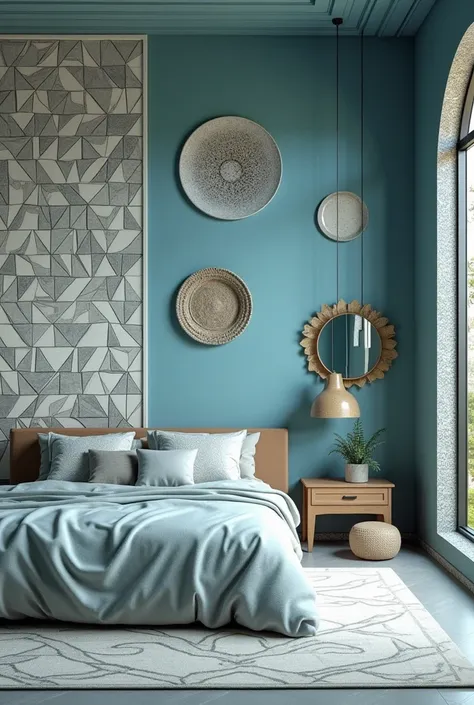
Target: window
(466, 317)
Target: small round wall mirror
(356, 344)
(354, 340)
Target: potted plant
(358, 453)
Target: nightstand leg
(304, 520)
(386, 516)
(311, 527)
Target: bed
(214, 552)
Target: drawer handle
(349, 496)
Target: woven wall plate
(230, 168)
(214, 306)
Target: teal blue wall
(435, 47)
(287, 85)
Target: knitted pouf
(374, 540)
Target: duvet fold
(213, 553)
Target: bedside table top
(319, 482)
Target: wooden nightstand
(323, 496)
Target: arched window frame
(466, 142)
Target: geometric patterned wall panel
(71, 168)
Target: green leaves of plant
(355, 449)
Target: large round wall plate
(351, 221)
(230, 168)
(214, 306)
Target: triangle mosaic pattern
(71, 165)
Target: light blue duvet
(108, 554)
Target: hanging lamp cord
(337, 162)
(362, 209)
(337, 21)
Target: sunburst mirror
(352, 339)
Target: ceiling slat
(284, 17)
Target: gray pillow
(247, 456)
(114, 467)
(45, 449)
(43, 439)
(69, 454)
(218, 454)
(166, 468)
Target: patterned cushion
(166, 468)
(69, 454)
(45, 463)
(218, 454)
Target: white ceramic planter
(357, 473)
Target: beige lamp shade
(335, 402)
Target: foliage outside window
(470, 462)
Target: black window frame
(466, 141)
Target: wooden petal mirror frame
(385, 329)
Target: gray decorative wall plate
(230, 168)
(214, 306)
(353, 217)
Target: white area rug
(374, 634)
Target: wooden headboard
(271, 459)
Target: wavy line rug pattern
(374, 634)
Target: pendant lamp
(335, 402)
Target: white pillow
(247, 457)
(218, 456)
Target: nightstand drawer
(353, 495)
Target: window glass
(470, 332)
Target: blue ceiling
(383, 18)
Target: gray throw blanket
(107, 554)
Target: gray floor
(448, 602)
